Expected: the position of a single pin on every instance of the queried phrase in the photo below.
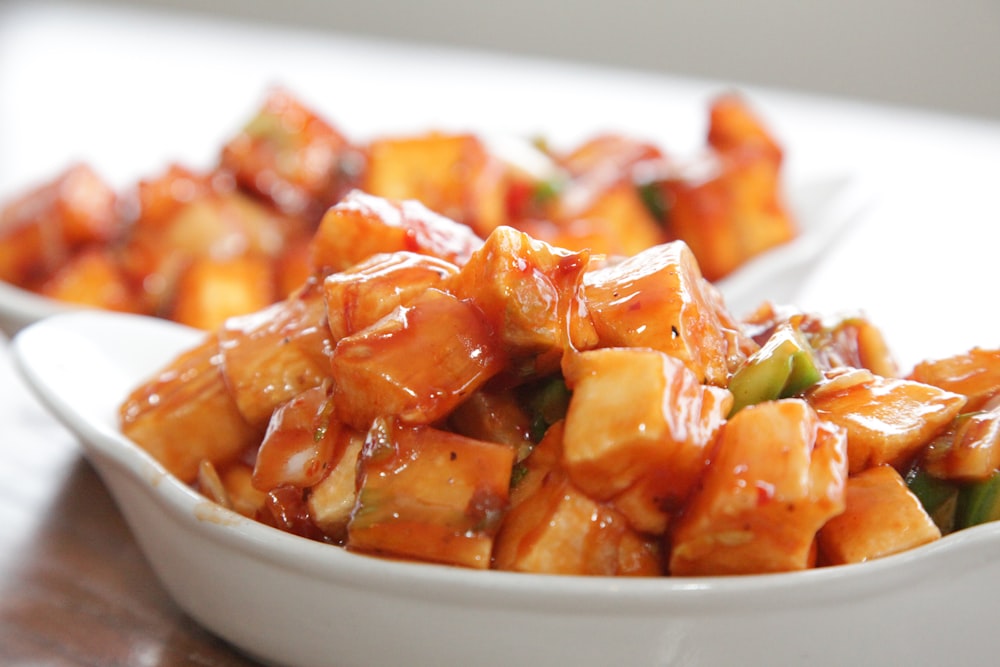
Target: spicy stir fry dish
(483, 398)
(200, 246)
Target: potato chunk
(887, 420)
(300, 443)
(92, 278)
(332, 499)
(186, 415)
(210, 291)
(737, 211)
(363, 294)
(613, 220)
(452, 174)
(43, 227)
(528, 290)
(270, 356)
(968, 450)
(560, 530)
(974, 374)
(658, 299)
(777, 475)
(429, 494)
(881, 517)
(416, 363)
(362, 225)
(639, 418)
(292, 157)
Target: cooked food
(512, 404)
(198, 247)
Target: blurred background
(935, 54)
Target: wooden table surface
(74, 587)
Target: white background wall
(935, 54)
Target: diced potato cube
(332, 499)
(451, 174)
(888, 420)
(494, 416)
(528, 290)
(852, 342)
(969, 450)
(292, 266)
(544, 458)
(430, 494)
(730, 208)
(365, 293)
(730, 217)
(608, 158)
(417, 363)
(92, 278)
(974, 374)
(272, 355)
(639, 418)
(734, 127)
(301, 442)
(292, 157)
(210, 291)
(236, 478)
(186, 415)
(658, 299)
(215, 225)
(557, 529)
(881, 517)
(287, 508)
(362, 225)
(612, 221)
(41, 228)
(776, 476)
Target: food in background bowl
(197, 247)
(515, 405)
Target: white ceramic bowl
(286, 600)
(825, 208)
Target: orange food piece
(974, 374)
(301, 442)
(292, 157)
(361, 295)
(777, 475)
(639, 420)
(417, 363)
(730, 208)
(331, 500)
(560, 530)
(210, 291)
(185, 414)
(881, 517)
(270, 356)
(236, 478)
(451, 174)
(187, 218)
(362, 225)
(529, 292)
(553, 527)
(493, 416)
(44, 227)
(969, 450)
(429, 494)
(888, 420)
(734, 127)
(92, 278)
(659, 300)
(612, 221)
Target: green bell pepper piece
(783, 367)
